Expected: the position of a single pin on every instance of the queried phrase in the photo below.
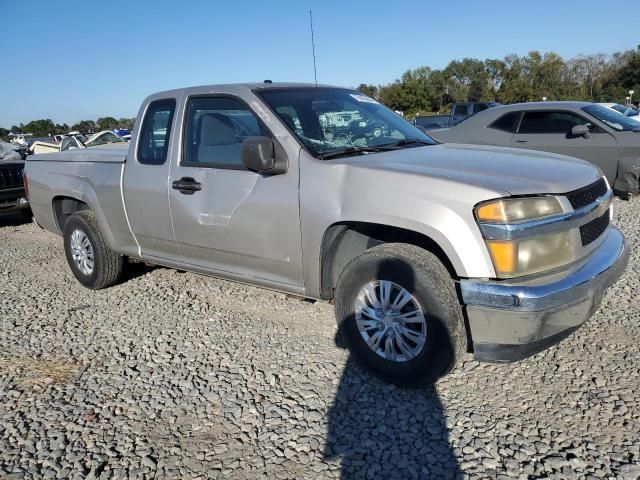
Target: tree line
(46, 127)
(597, 78)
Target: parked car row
(427, 249)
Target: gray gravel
(175, 375)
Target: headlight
(524, 256)
(517, 209)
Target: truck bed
(90, 175)
(112, 153)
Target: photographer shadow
(381, 431)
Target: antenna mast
(313, 48)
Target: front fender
(436, 207)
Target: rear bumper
(510, 321)
(12, 199)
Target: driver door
(226, 218)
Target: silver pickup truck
(427, 249)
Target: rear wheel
(92, 262)
(397, 309)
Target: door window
(155, 132)
(216, 128)
(550, 122)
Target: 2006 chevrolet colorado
(427, 249)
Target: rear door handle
(521, 141)
(186, 186)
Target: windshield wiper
(404, 142)
(373, 148)
(349, 151)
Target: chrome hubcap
(82, 252)
(391, 321)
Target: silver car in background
(583, 130)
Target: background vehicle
(123, 133)
(628, 111)
(325, 193)
(76, 141)
(458, 112)
(584, 130)
(12, 192)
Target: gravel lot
(175, 375)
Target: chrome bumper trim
(603, 268)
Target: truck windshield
(330, 122)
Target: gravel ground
(175, 375)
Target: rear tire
(408, 358)
(92, 262)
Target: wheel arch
(343, 241)
(63, 207)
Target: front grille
(586, 195)
(10, 177)
(592, 230)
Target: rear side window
(549, 122)
(153, 144)
(215, 130)
(507, 122)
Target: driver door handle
(521, 141)
(186, 186)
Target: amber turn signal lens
(491, 212)
(504, 256)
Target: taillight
(25, 181)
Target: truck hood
(515, 171)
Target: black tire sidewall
(439, 353)
(78, 222)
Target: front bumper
(510, 321)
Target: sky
(83, 60)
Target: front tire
(92, 262)
(398, 311)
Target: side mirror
(263, 155)
(581, 131)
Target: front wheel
(92, 262)
(397, 308)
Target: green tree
(39, 128)
(85, 126)
(107, 123)
(369, 90)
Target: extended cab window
(215, 130)
(155, 132)
(549, 122)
